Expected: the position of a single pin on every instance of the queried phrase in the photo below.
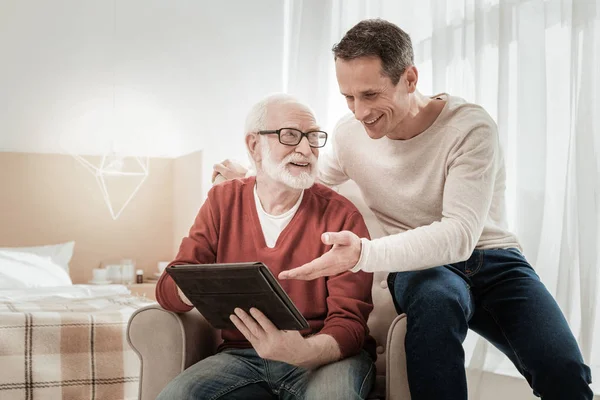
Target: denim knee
(431, 293)
(351, 379)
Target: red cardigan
(227, 230)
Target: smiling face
(372, 97)
(293, 166)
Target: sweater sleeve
(331, 172)
(349, 302)
(199, 247)
(467, 197)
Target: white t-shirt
(273, 225)
(437, 196)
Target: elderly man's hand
(268, 341)
(343, 256)
(228, 170)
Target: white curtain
(535, 66)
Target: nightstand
(145, 289)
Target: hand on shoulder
(227, 170)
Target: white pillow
(26, 270)
(60, 254)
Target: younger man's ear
(412, 77)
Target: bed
(59, 340)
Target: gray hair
(378, 38)
(256, 120)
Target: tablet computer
(217, 289)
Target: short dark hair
(378, 38)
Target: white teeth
(372, 121)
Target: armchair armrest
(167, 343)
(396, 377)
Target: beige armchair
(167, 343)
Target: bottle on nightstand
(139, 276)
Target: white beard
(279, 172)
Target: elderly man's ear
(253, 146)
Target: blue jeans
(242, 374)
(497, 294)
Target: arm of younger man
(468, 191)
(349, 304)
(331, 172)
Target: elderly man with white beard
(277, 218)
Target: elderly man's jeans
(497, 294)
(242, 374)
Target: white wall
(187, 195)
(184, 73)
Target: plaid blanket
(65, 348)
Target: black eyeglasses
(293, 137)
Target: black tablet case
(216, 289)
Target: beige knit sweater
(438, 196)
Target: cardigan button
(383, 284)
(380, 349)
